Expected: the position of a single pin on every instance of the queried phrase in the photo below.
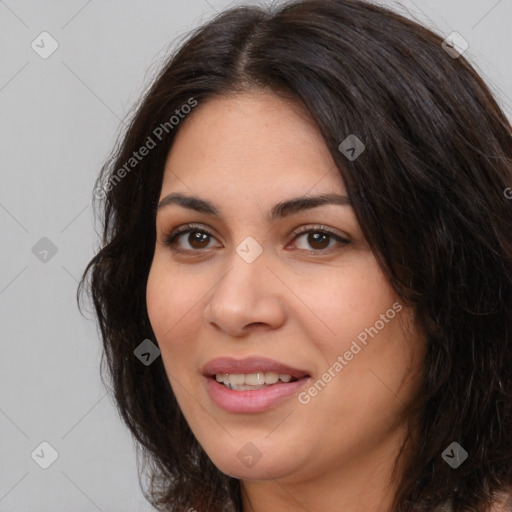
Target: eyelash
(171, 238)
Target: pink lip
(252, 401)
(258, 400)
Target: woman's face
(243, 283)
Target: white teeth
(236, 380)
(252, 379)
(240, 381)
(272, 377)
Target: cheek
(165, 305)
(173, 303)
(348, 301)
(168, 295)
(156, 299)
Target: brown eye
(198, 239)
(318, 240)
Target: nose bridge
(247, 266)
(242, 296)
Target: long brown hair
(429, 192)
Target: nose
(246, 298)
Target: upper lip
(250, 365)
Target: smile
(252, 381)
(251, 385)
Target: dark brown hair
(429, 194)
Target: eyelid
(187, 226)
(170, 236)
(319, 227)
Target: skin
(299, 303)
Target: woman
(308, 216)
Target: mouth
(252, 384)
(252, 381)
(251, 371)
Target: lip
(259, 400)
(249, 365)
(251, 401)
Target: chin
(253, 461)
(268, 470)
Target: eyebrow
(280, 210)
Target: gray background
(59, 120)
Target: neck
(364, 483)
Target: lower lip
(259, 400)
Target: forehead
(254, 142)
